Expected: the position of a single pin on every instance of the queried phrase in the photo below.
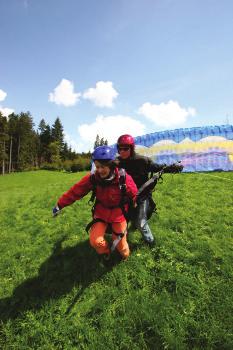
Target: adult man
(139, 168)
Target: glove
(174, 168)
(56, 211)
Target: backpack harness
(121, 205)
(144, 191)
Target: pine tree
(4, 137)
(100, 142)
(54, 152)
(45, 139)
(57, 134)
(26, 146)
(65, 152)
(97, 141)
(12, 130)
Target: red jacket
(107, 196)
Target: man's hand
(174, 168)
(56, 211)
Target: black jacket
(139, 168)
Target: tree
(103, 142)
(54, 152)
(99, 142)
(65, 153)
(21, 147)
(27, 147)
(44, 132)
(13, 120)
(57, 134)
(4, 137)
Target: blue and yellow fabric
(207, 148)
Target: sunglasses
(123, 149)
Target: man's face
(124, 151)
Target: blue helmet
(104, 153)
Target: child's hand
(56, 211)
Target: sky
(111, 67)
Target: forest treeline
(24, 148)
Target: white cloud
(64, 94)
(166, 114)
(110, 128)
(3, 95)
(6, 111)
(71, 142)
(102, 95)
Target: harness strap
(92, 222)
(122, 186)
(116, 241)
(119, 235)
(107, 206)
(121, 205)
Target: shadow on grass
(73, 266)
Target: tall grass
(54, 293)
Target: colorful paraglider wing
(208, 148)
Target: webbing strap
(119, 235)
(116, 241)
(122, 186)
(92, 222)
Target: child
(108, 208)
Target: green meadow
(55, 294)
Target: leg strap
(94, 221)
(119, 235)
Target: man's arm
(172, 168)
(154, 167)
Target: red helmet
(126, 140)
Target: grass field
(54, 294)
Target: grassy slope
(55, 295)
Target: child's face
(102, 170)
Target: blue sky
(117, 66)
